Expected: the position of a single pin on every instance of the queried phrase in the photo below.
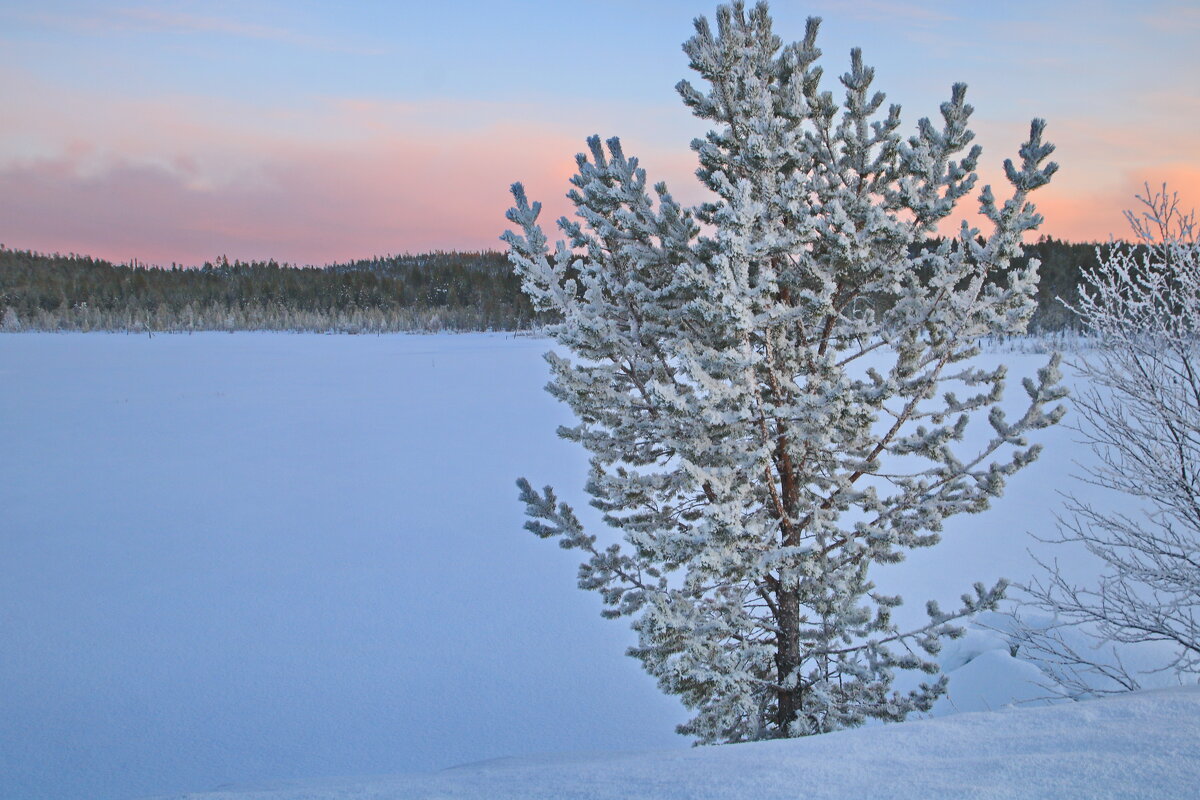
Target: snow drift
(1144, 745)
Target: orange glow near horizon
(318, 206)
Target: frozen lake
(234, 558)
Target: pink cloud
(186, 179)
(318, 205)
(305, 204)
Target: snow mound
(1144, 745)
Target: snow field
(1144, 745)
(252, 557)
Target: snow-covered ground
(233, 559)
(1144, 745)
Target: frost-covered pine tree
(774, 386)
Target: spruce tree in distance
(775, 386)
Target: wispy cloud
(142, 19)
(318, 202)
(344, 179)
(880, 9)
(161, 20)
(187, 177)
(305, 206)
(1174, 18)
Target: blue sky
(313, 132)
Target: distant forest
(430, 292)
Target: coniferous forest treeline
(429, 292)
(434, 291)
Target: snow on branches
(1141, 416)
(767, 382)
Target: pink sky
(164, 134)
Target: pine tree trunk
(787, 661)
(787, 656)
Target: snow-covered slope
(1144, 745)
